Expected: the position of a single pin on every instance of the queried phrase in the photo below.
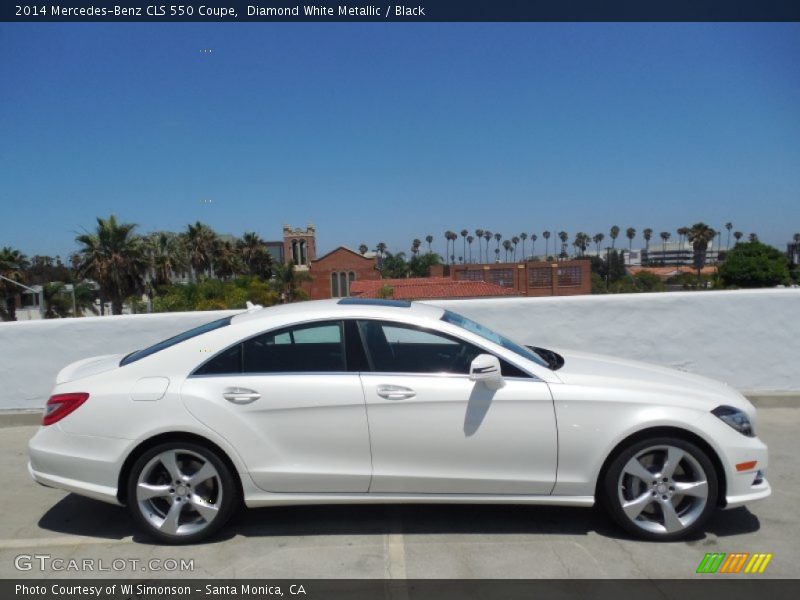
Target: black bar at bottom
(706, 588)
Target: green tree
(254, 255)
(753, 264)
(166, 257)
(614, 233)
(394, 266)
(12, 266)
(700, 235)
(114, 257)
(199, 241)
(289, 279)
(420, 265)
(57, 302)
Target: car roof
(341, 308)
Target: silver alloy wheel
(179, 492)
(663, 489)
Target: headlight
(736, 419)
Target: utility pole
(40, 293)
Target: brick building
(530, 278)
(428, 288)
(333, 273)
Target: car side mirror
(486, 368)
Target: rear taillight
(60, 405)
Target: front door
(433, 431)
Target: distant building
(529, 278)
(333, 274)
(666, 273)
(675, 254)
(793, 252)
(428, 288)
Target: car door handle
(240, 395)
(395, 392)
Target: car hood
(581, 368)
(88, 366)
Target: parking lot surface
(419, 541)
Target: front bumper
(86, 465)
(751, 484)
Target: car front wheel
(181, 492)
(661, 489)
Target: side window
(302, 348)
(399, 348)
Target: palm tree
(700, 235)
(12, 266)
(497, 238)
(479, 236)
(447, 244)
(665, 235)
(254, 254)
(381, 248)
(614, 234)
(563, 236)
(362, 249)
(453, 238)
(533, 244)
(753, 237)
(738, 235)
(598, 239)
(487, 235)
(546, 236)
(415, 244)
(470, 239)
(289, 279)
(515, 241)
(630, 233)
(523, 236)
(84, 297)
(114, 257)
(728, 226)
(507, 248)
(198, 241)
(57, 304)
(647, 234)
(429, 239)
(226, 261)
(464, 234)
(165, 256)
(682, 232)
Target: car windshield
(492, 336)
(181, 337)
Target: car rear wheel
(661, 489)
(181, 492)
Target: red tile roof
(666, 272)
(426, 288)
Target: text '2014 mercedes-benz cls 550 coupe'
(379, 401)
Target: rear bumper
(85, 465)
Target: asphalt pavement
(46, 533)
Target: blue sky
(386, 132)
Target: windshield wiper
(553, 359)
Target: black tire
(613, 486)
(224, 489)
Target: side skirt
(259, 499)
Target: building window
(569, 276)
(335, 285)
(340, 283)
(469, 275)
(501, 277)
(540, 277)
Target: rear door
(286, 400)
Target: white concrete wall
(751, 339)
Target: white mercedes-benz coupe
(367, 401)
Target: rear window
(181, 337)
